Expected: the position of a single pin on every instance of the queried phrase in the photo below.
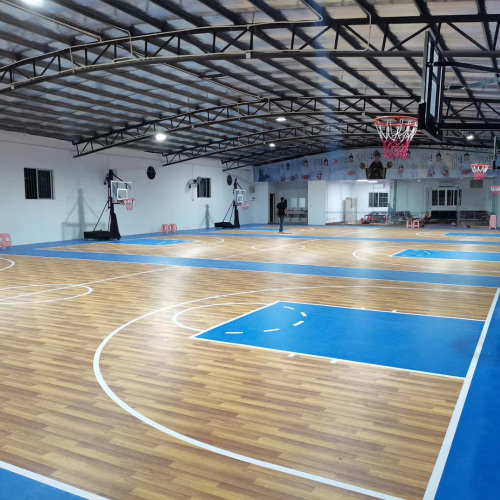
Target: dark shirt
(376, 170)
(281, 206)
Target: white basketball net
(479, 171)
(495, 190)
(244, 205)
(396, 133)
(129, 203)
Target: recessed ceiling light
(281, 119)
(272, 145)
(470, 137)
(160, 137)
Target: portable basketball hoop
(244, 205)
(495, 190)
(128, 202)
(479, 170)
(396, 133)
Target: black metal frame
(216, 109)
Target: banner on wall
(357, 164)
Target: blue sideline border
(470, 453)
(21, 484)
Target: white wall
(316, 206)
(412, 195)
(80, 193)
(338, 191)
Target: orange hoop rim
(128, 202)
(411, 121)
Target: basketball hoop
(244, 205)
(396, 133)
(495, 190)
(128, 202)
(479, 170)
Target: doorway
(272, 201)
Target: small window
(444, 197)
(38, 184)
(378, 199)
(204, 190)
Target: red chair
(173, 228)
(165, 228)
(5, 240)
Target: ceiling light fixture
(470, 137)
(33, 2)
(272, 145)
(160, 137)
(281, 119)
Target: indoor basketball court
(161, 338)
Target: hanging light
(281, 119)
(160, 136)
(470, 137)
(272, 145)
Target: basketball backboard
(121, 191)
(430, 107)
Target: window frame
(38, 184)
(204, 188)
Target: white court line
(298, 323)
(206, 446)
(214, 449)
(271, 330)
(380, 310)
(67, 287)
(288, 246)
(267, 271)
(49, 482)
(361, 363)
(136, 414)
(425, 267)
(12, 297)
(184, 311)
(437, 473)
(12, 263)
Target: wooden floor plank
(371, 427)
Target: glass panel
(442, 195)
(45, 184)
(434, 198)
(372, 198)
(203, 188)
(294, 203)
(302, 203)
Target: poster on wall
(356, 164)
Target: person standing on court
(281, 211)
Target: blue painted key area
(440, 254)
(16, 487)
(423, 343)
(472, 471)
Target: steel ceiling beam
(264, 137)
(264, 108)
(87, 58)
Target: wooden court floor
(103, 387)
